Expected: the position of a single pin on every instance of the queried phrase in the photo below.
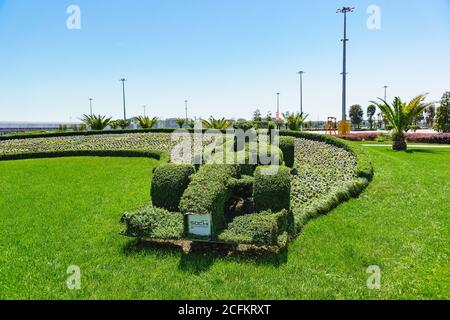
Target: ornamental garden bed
(242, 207)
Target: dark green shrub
(169, 183)
(272, 191)
(153, 223)
(287, 146)
(242, 187)
(263, 229)
(208, 193)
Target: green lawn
(61, 212)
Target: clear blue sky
(227, 57)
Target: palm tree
(181, 122)
(400, 116)
(146, 122)
(294, 121)
(96, 122)
(220, 124)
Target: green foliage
(62, 127)
(430, 114)
(272, 190)
(356, 115)
(146, 123)
(169, 183)
(242, 187)
(442, 123)
(287, 146)
(371, 110)
(208, 193)
(257, 116)
(96, 122)
(122, 124)
(181, 122)
(219, 124)
(153, 223)
(400, 116)
(243, 125)
(294, 121)
(262, 229)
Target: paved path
(410, 146)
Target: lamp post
(90, 106)
(145, 110)
(124, 103)
(278, 106)
(385, 92)
(186, 109)
(301, 73)
(344, 10)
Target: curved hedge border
(153, 154)
(363, 175)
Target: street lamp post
(186, 109)
(278, 106)
(145, 110)
(301, 73)
(385, 92)
(90, 106)
(124, 102)
(344, 10)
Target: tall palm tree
(220, 124)
(96, 122)
(294, 121)
(400, 115)
(146, 123)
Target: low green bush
(168, 185)
(208, 193)
(287, 146)
(242, 187)
(153, 223)
(272, 191)
(262, 229)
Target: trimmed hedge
(272, 191)
(158, 155)
(208, 193)
(242, 187)
(153, 223)
(287, 146)
(262, 229)
(168, 185)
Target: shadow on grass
(428, 151)
(199, 257)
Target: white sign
(200, 225)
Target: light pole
(344, 10)
(186, 108)
(145, 110)
(278, 106)
(385, 92)
(124, 104)
(90, 106)
(301, 73)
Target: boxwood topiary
(208, 193)
(169, 183)
(242, 187)
(272, 190)
(287, 146)
(262, 229)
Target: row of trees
(99, 122)
(437, 118)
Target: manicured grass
(60, 212)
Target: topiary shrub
(153, 223)
(263, 229)
(272, 191)
(287, 146)
(169, 183)
(242, 187)
(208, 193)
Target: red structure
(331, 126)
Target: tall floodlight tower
(278, 106)
(301, 73)
(123, 95)
(344, 10)
(186, 109)
(90, 106)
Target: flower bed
(439, 138)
